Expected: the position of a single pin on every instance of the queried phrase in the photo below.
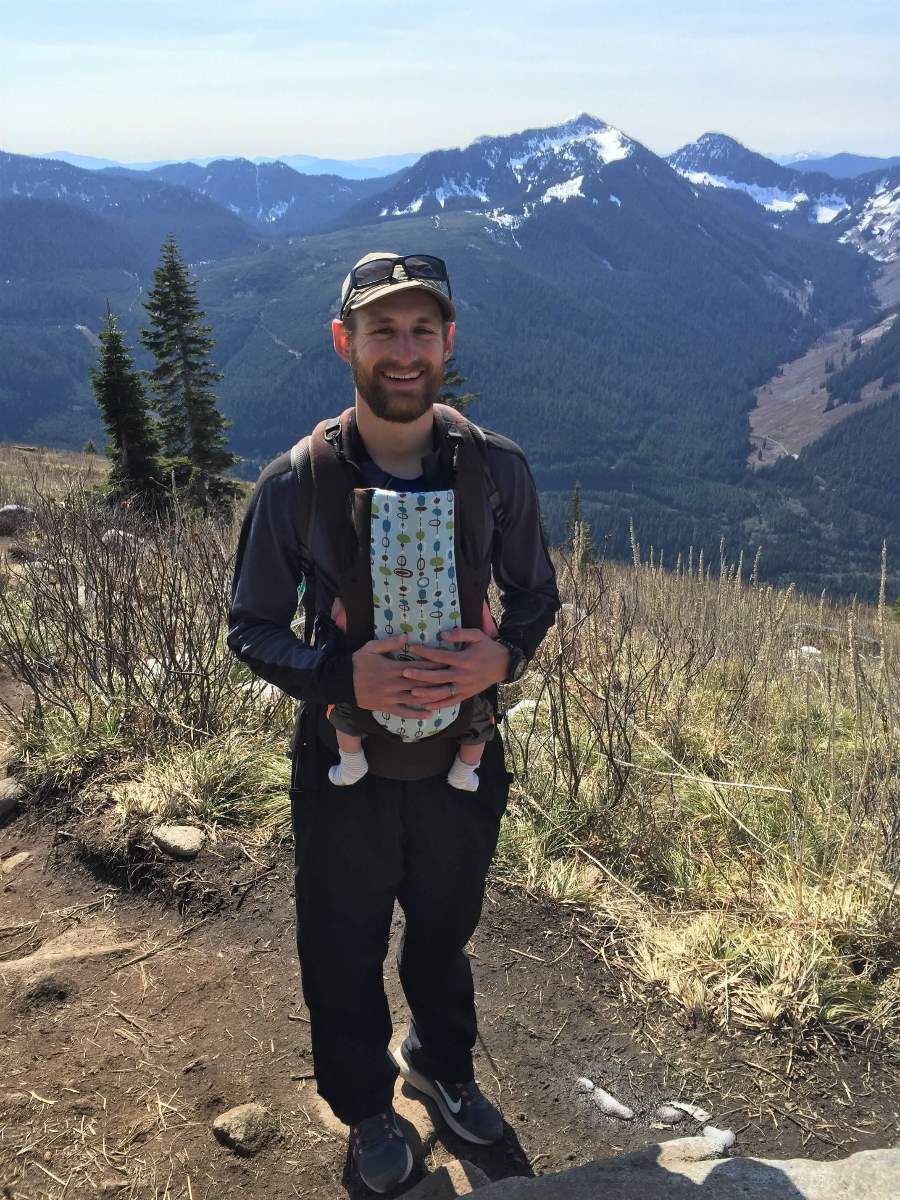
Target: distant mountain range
(271, 196)
(838, 166)
(307, 164)
(617, 311)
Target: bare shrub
(721, 759)
(120, 640)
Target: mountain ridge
(615, 315)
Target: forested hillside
(614, 318)
(878, 361)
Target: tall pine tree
(191, 426)
(133, 445)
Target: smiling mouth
(402, 376)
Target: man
(401, 833)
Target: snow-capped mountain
(864, 211)
(873, 225)
(718, 161)
(272, 196)
(510, 178)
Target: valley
(791, 407)
(622, 316)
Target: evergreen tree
(451, 393)
(191, 426)
(579, 531)
(133, 445)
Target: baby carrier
(448, 549)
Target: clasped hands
(445, 677)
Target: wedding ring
(452, 690)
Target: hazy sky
(137, 80)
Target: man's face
(397, 353)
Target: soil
(131, 1016)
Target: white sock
(463, 775)
(350, 769)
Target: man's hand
(379, 682)
(456, 674)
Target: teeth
(414, 375)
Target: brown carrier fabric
(343, 514)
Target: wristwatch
(517, 661)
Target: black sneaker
(381, 1152)
(468, 1113)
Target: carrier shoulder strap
(455, 421)
(302, 467)
(324, 477)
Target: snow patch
(608, 144)
(410, 208)
(774, 199)
(877, 231)
(564, 191)
(506, 220)
(826, 208)
(277, 211)
(452, 187)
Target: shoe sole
(390, 1187)
(422, 1084)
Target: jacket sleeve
(268, 573)
(523, 571)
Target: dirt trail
(126, 1028)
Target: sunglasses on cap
(426, 267)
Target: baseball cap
(400, 280)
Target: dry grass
(720, 761)
(711, 765)
(34, 470)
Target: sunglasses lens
(423, 266)
(377, 271)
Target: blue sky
(353, 78)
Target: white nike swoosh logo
(453, 1105)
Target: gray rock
(868, 1175)
(245, 1129)
(456, 1178)
(14, 518)
(8, 865)
(723, 1139)
(179, 841)
(11, 792)
(668, 1114)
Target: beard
(394, 405)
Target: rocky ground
(131, 1018)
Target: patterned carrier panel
(414, 587)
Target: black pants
(358, 849)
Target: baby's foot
(463, 775)
(350, 769)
